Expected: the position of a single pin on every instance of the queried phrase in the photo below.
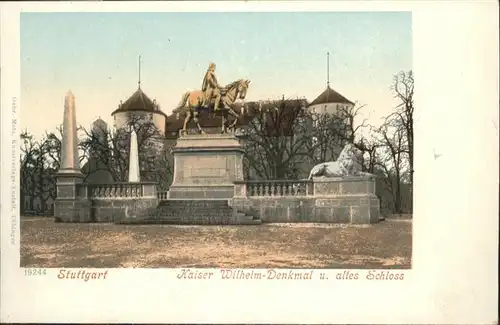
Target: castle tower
(143, 115)
(98, 166)
(329, 101)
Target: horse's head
(236, 89)
(242, 88)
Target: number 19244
(32, 272)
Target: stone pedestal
(206, 166)
(348, 199)
(72, 203)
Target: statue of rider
(211, 88)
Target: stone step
(178, 206)
(199, 212)
(251, 222)
(193, 212)
(195, 203)
(203, 221)
(248, 220)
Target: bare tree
(46, 169)
(28, 164)
(403, 90)
(330, 132)
(392, 163)
(53, 146)
(328, 135)
(276, 138)
(395, 144)
(369, 146)
(348, 114)
(37, 172)
(111, 150)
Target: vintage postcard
(249, 162)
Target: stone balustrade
(115, 191)
(273, 188)
(114, 202)
(333, 200)
(162, 195)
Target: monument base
(205, 169)
(195, 212)
(72, 210)
(206, 166)
(205, 192)
(351, 199)
(72, 203)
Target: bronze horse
(191, 103)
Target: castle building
(99, 130)
(141, 108)
(330, 111)
(149, 121)
(329, 102)
(96, 169)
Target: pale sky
(96, 56)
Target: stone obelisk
(69, 147)
(133, 166)
(72, 203)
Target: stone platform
(196, 212)
(350, 200)
(206, 167)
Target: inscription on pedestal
(208, 165)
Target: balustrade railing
(162, 195)
(115, 190)
(272, 188)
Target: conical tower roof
(330, 96)
(139, 101)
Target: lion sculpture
(348, 164)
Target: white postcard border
(455, 225)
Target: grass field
(48, 244)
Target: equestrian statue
(212, 98)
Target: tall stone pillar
(69, 144)
(133, 166)
(72, 203)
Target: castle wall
(330, 108)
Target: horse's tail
(182, 103)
